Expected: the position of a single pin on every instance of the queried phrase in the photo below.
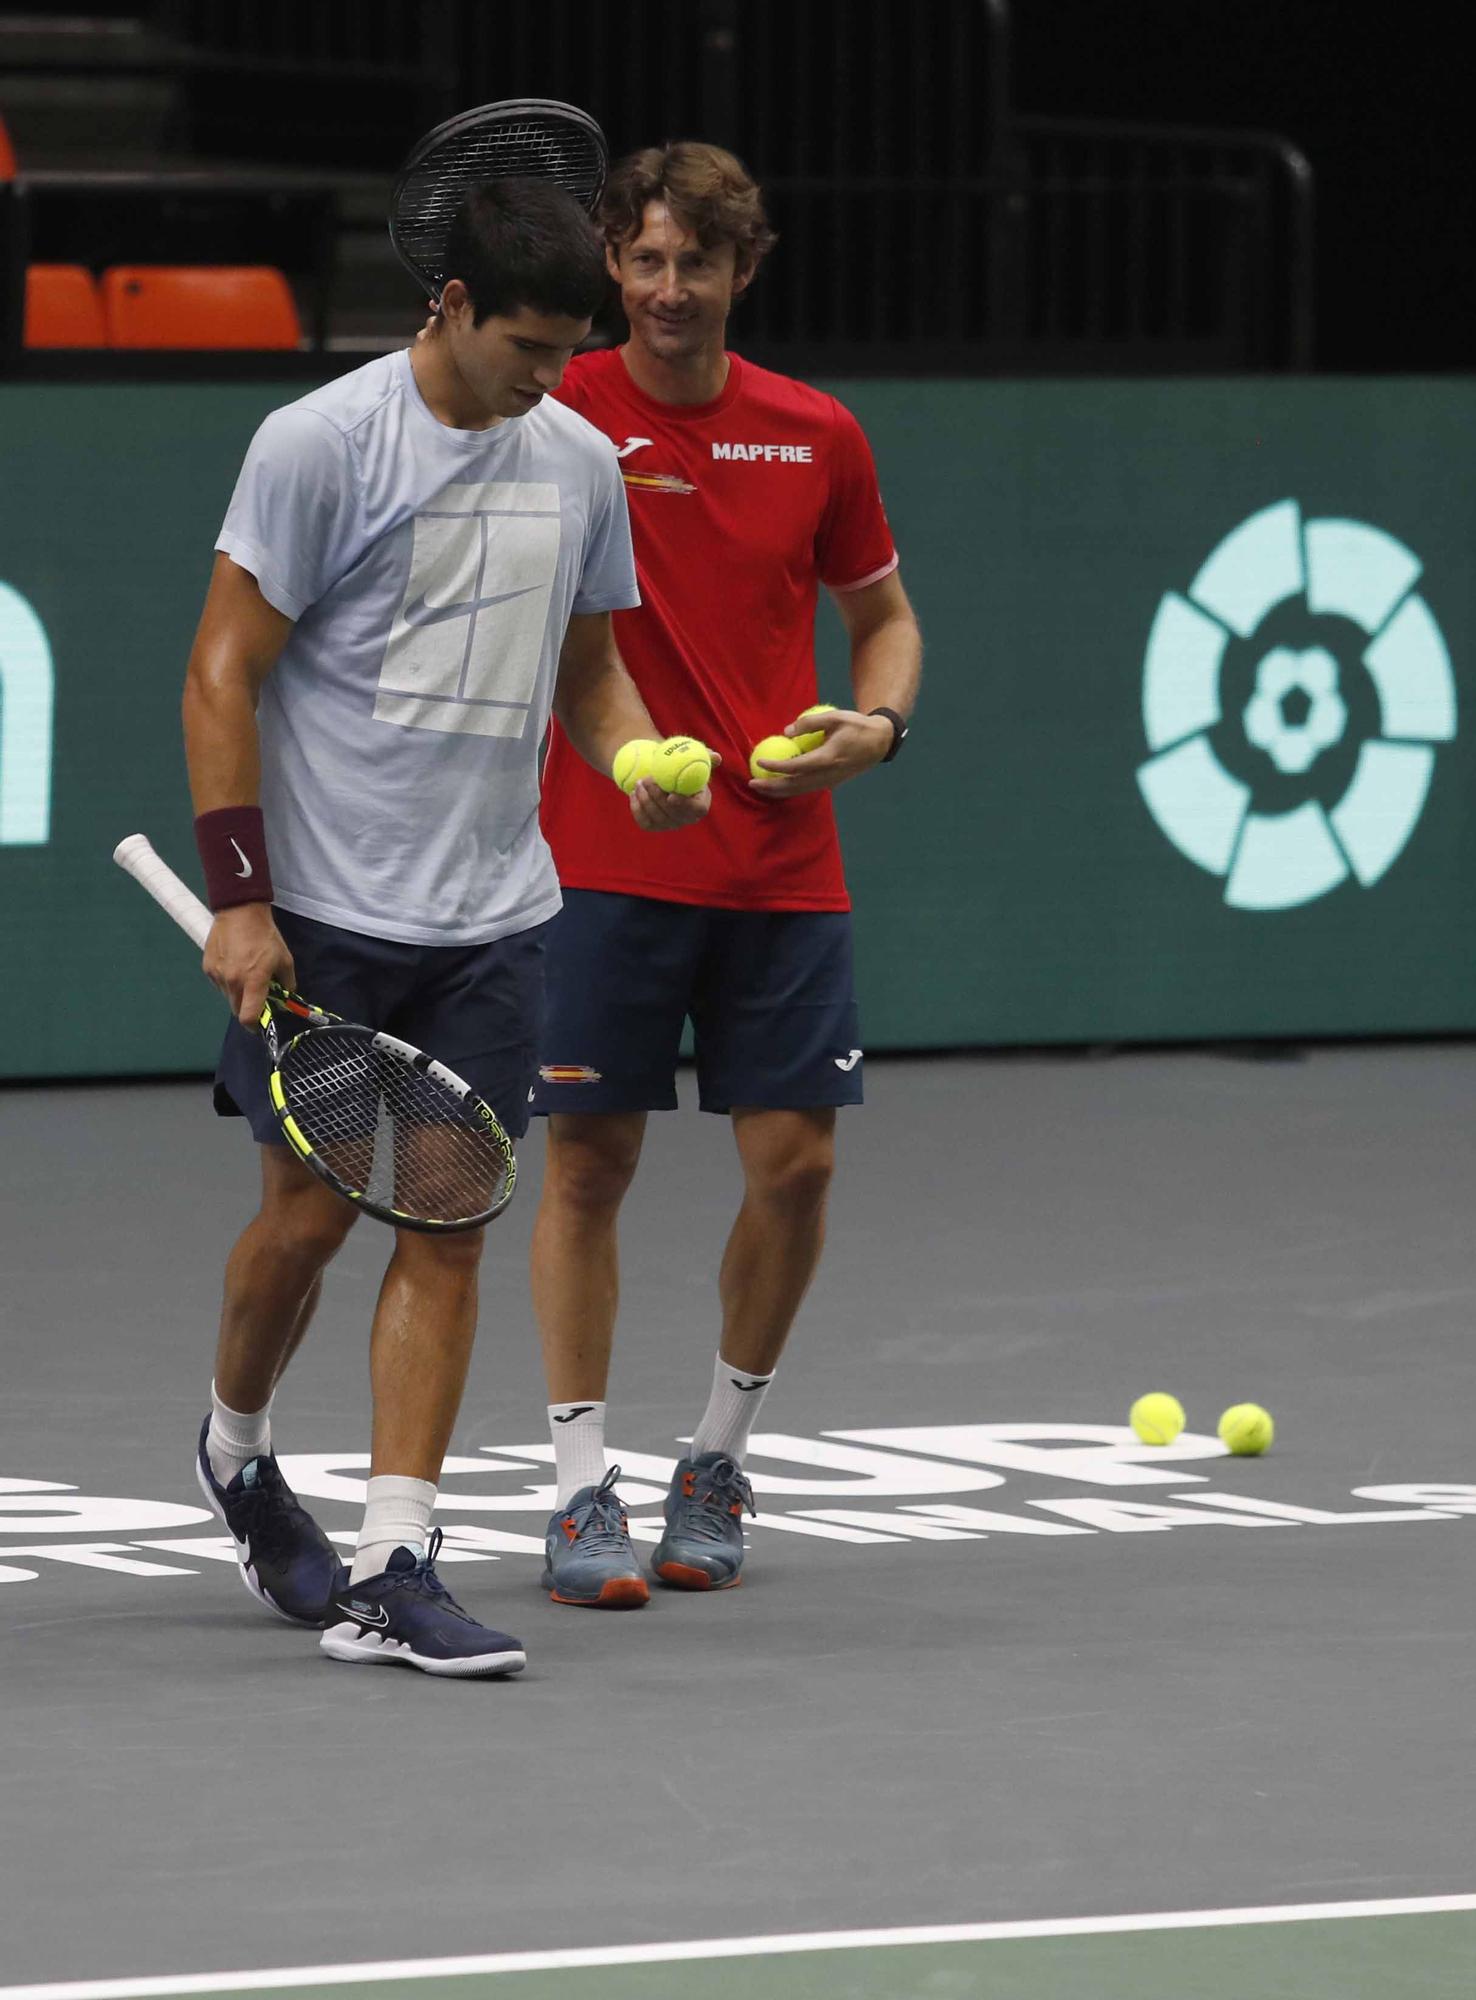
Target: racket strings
(393, 1133)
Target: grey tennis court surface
(994, 1664)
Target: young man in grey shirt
(417, 568)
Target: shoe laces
(423, 1578)
(600, 1526)
(715, 1490)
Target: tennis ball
(813, 738)
(1247, 1429)
(681, 764)
(632, 762)
(775, 748)
(1157, 1418)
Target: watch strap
(899, 730)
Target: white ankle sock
(737, 1396)
(578, 1433)
(397, 1515)
(234, 1438)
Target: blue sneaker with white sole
(408, 1618)
(702, 1548)
(286, 1561)
(589, 1557)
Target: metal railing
(924, 225)
(1135, 237)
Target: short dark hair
(526, 243)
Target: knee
(592, 1174)
(796, 1177)
(457, 1252)
(308, 1226)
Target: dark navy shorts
(770, 994)
(477, 1008)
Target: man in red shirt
(747, 491)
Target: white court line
(750, 1947)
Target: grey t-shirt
(431, 574)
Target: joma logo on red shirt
(787, 454)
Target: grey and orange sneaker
(589, 1557)
(702, 1548)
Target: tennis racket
(532, 138)
(391, 1130)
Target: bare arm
(600, 708)
(886, 669)
(886, 646)
(239, 640)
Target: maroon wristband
(232, 844)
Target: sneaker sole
(681, 1577)
(620, 1593)
(246, 1574)
(370, 1651)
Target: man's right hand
(244, 953)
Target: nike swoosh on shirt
(418, 613)
(244, 871)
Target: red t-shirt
(739, 510)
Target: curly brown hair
(706, 188)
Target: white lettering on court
(845, 1481)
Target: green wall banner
(1195, 758)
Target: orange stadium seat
(199, 305)
(63, 308)
(7, 155)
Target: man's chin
(673, 343)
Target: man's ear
(455, 299)
(612, 263)
(743, 276)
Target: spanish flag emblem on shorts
(568, 1073)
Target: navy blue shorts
(770, 994)
(477, 1008)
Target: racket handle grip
(138, 858)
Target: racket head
(389, 1128)
(534, 138)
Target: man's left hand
(853, 743)
(658, 811)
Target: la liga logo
(1293, 701)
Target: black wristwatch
(899, 730)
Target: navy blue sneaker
(408, 1618)
(702, 1548)
(589, 1557)
(286, 1561)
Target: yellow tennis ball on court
(812, 738)
(776, 749)
(1247, 1429)
(633, 762)
(1157, 1417)
(681, 764)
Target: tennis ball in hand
(775, 748)
(632, 762)
(1247, 1429)
(1157, 1418)
(812, 738)
(682, 765)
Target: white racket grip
(138, 858)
